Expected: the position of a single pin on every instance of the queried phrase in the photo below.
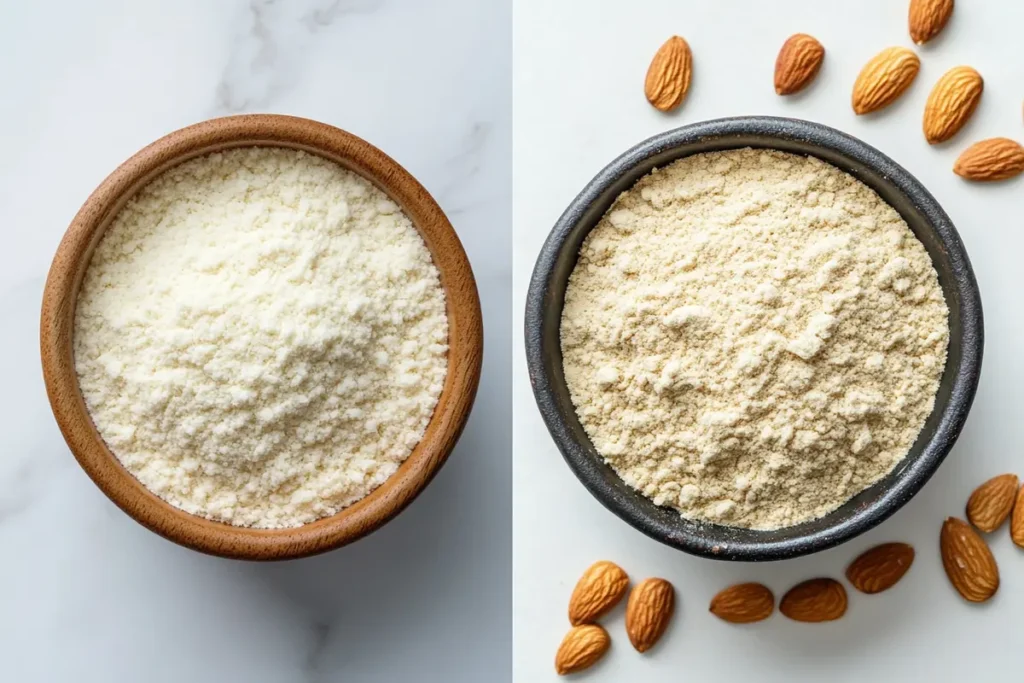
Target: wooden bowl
(465, 338)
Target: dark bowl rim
(953, 414)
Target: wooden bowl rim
(464, 320)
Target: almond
(599, 589)
(927, 18)
(880, 568)
(991, 503)
(815, 600)
(668, 77)
(1017, 520)
(581, 648)
(951, 102)
(743, 603)
(992, 159)
(884, 78)
(648, 612)
(968, 561)
(798, 63)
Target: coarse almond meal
(261, 337)
(752, 337)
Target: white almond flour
(261, 337)
(753, 337)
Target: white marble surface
(89, 595)
(578, 102)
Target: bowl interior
(462, 307)
(928, 222)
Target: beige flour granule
(261, 337)
(753, 337)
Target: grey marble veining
(88, 594)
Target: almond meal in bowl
(753, 338)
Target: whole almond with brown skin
(648, 611)
(743, 603)
(880, 568)
(798, 63)
(884, 78)
(814, 601)
(968, 562)
(598, 590)
(1017, 520)
(951, 103)
(992, 502)
(668, 77)
(990, 160)
(927, 18)
(581, 648)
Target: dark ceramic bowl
(867, 509)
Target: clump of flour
(261, 337)
(753, 337)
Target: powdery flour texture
(261, 337)
(753, 337)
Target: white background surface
(88, 595)
(578, 103)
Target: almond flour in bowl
(752, 337)
(261, 337)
